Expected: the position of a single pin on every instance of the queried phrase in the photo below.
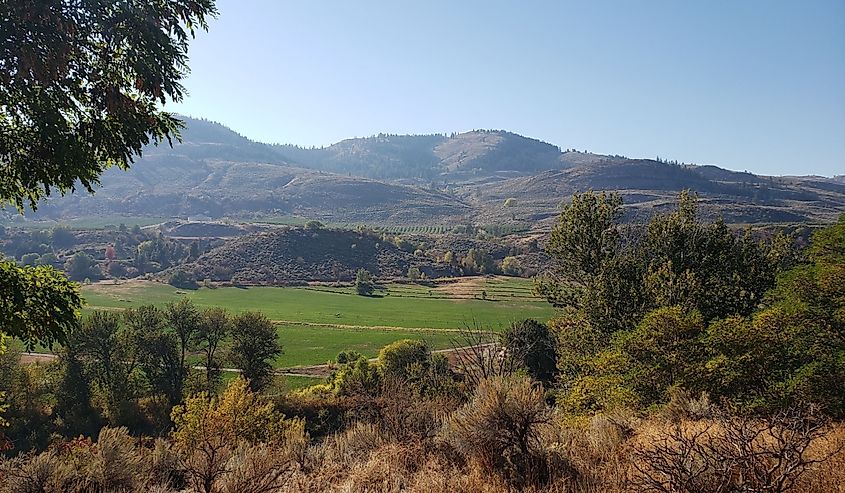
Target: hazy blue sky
(756, 85)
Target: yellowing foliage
(237, 415)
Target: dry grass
(604, 453)
(599, 455)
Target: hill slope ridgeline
(423, 179)
(293, 255)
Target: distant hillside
(292, 255)
(203, 139)
(382, 157)
(214, 172)
(430, 156)
(422, 179)
(491, 151)
(648, 185)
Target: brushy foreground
(504, 438)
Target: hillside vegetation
(295, 255)
(423, 179)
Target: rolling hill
(294, 255)
(423, 179)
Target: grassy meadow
(317, 322)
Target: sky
(746, 85)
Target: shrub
(534, 348)
(396, 359)
(730, 453)
(115, 464)
(352, 444)
(238, 436)
(500, 429)
(364, 283)
(182, 280)
(358, 377)
(348, 356)
(511, 266)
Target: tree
(156, 351)
(73, 410)
(47, 259)
(215, 325)
(79, 87)
(30, 259)
(110, 253)
(193, 251)
(664, 352)
(511, 266)
(37, 304)
(510, 203)
(364, 285)
(27, 425)
(403, 244)
(82, 266)
(679, 261)
(158, 357)
(183, 280)
(184, 319)
(397, 359)
(414, 273)
(107, 351)
(702, 266)
(479, 261)
(534, 347)
(254, 346)
(61, 237)
(585, 237)
(792, 351)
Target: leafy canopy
(237, 415)
(80, 85)
(37, 304)
(254, 347)
(584, 238)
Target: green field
(316, 345)
(399, 306)
(315, 323)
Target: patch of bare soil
(462, 287)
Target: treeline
(118, 252)
(130, 369)
(692, 306)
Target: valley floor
(316, 322)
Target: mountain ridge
(425, 179)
